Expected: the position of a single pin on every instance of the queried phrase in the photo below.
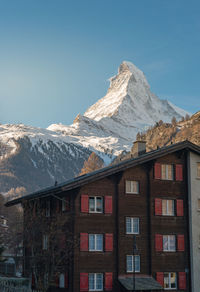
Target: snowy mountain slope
(35, 158)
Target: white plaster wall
(194, 213)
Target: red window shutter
(179, 208)
(181, 242)
(83, 281)
(108, 281)
(33, 281)
(108, 242)
(179, 172)
(182, 280)
(160, 278)
(157, 171)
(158, 207)
(158, 242)
(57, 280)
(84, 203)
(108, 204)
(66, 280)
(84, 241)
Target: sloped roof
(139, 283)
(107, 171)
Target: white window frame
(133, 266)
(169, 278)
(132, 182)
(166, 171)
(132, 225)
(168, 243)
(46, 280)
(167, 207)
(95, 242)
(95, 282)
(62, 280)
(95, 204)
(63, 205)
(48, 209)
(45, 242)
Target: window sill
(132, 193)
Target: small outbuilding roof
(139, 283)
(107, 171)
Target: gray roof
(144, 283)
(106, 171)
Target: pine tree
(93, 163)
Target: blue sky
(56, 56)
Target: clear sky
(56, 55)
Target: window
(169, 243)
(63, 205)
(45, 242)
(170, 281)
(95, 204)
(95, 282)
(46, 280)
(167, 171)
(198, 169)
(132, 187)
(168, 207)
(61, 281)
(130, 265)
(132, 225)
(47, 210)
(95, 242)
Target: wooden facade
(146, 204)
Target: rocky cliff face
(35, 158)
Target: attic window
(132, 187)
(167, 171)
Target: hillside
(163, 134)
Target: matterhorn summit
(112, 123)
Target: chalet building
(133, 226)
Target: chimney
(139, 148)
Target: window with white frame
(46, 280)
(170, 281)
(132, 263)
(167, 172)
(48, 209)
(45, 242)
(132, 225)
(95, 204)
(63, 206)
(132, 187)
(95, 282)
(198, 169)
(169, 243)
(61, 281)
(168, 207)
(95, 242)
